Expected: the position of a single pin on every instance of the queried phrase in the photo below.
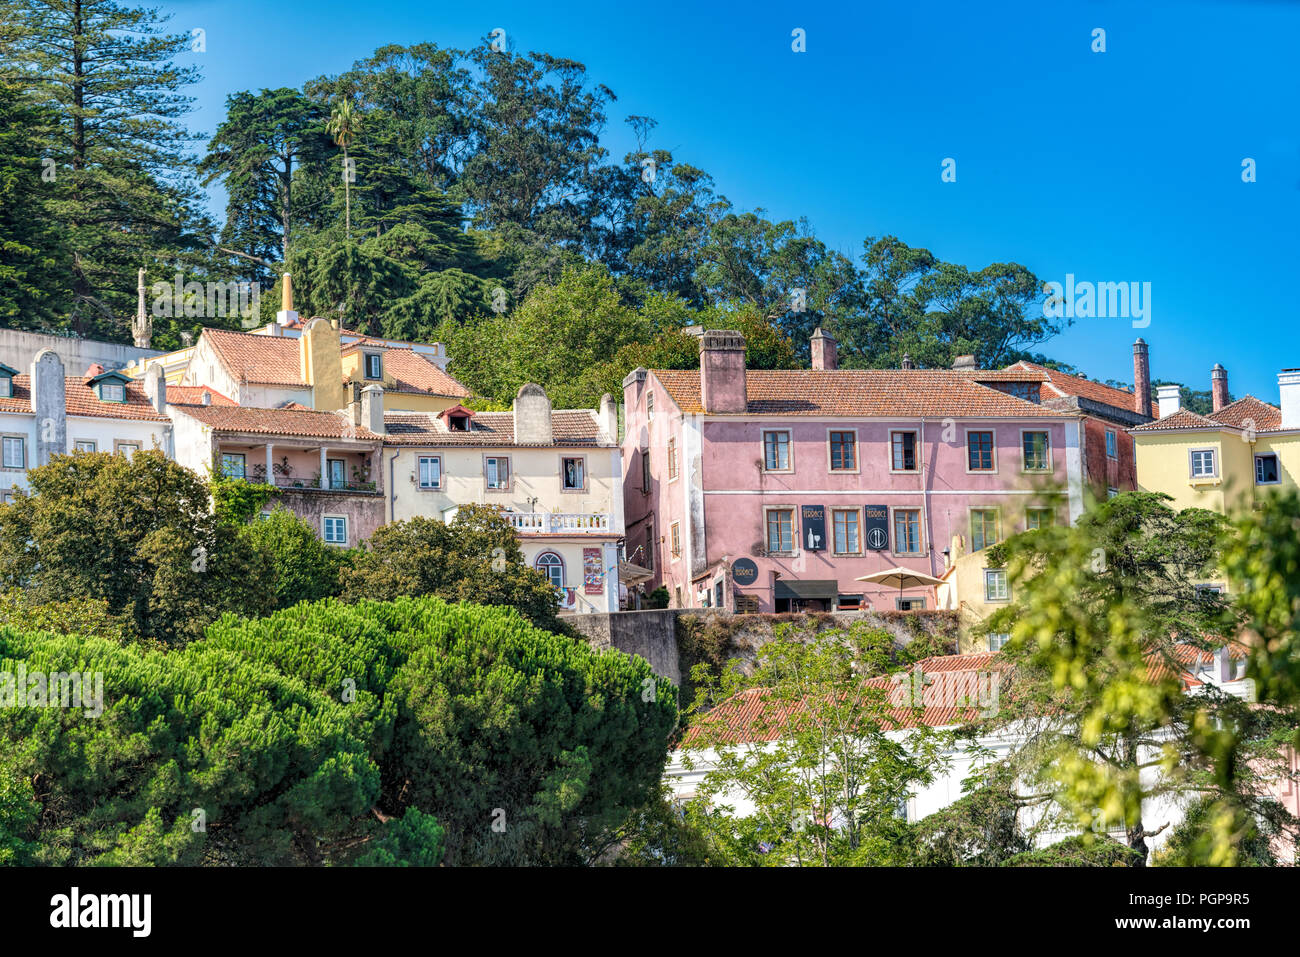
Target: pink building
(776, 490)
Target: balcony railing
(559, 523)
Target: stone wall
(18, 349)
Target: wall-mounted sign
(744, 571)
(593, 572)
(875, 527)
(813, 527)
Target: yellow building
(556, 474)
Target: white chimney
(607, 420)
(1169, 399)
(372, 408)
(532, 415)
(1288, 387)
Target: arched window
(553, 565)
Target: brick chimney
(824, 352)
(722, 372)
(1141, 379)
(532, 413)
(1219, 386)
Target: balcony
(313, 485)
(559, 523)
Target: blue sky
(1122, 166)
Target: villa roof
(82, 400)
(193, 395)
(1247, 412)
(1057, 384)
(415, 374)
(265, 360)
(294, 422)
(881, 393)
(569, 427)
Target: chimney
(50, 405)
(1219, 386)
(320, 363)
(1141, 379)
(532, 412)
(372, 408)
(607, 420)
(142, 327)
(286, 316)
(907, 362)
(722, 372)
(1169, 398)
(1223, 659)
(155, 387)
(1288, 388)
(824, 354)
(206, 399)
(964, 364)
(187, 339)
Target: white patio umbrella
(900, 578)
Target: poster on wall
(875, 527)
(593, 572)
(813, 526)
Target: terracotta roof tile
(1182, 419)
(1250, 412)
(885, 393)
(266, 360)
(569, 427)
(1061, 384)
(81, 400)
(416, 374)
(298, 422)
(193, 395)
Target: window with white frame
(85, 445)
(126, 448)
(1112, 492)
(497, 471)
(998, 641)
(233, 465)
(1203, 465)
(15, 452)
(1266, 471)
(431, 471)
(334, 529)
(6, 387)
(672, 459)
(112, 392)
(995, 584)
(374, 365)
(552, 566)
(573, 472)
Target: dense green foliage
(1082, 851)
(289, 739)
(302, 567)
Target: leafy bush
(302, 567)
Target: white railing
(559, 523)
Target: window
(844, 456)
(497, 469)
(84, 445)
(458, 423)
(995, 584)
(1266, 469)
(552, 566)
(1036, 454)
(776, 451)
(263, 515)
(845, 524)
(645, 471)
(904, 451)
(649, 404)
(779, 524)
(746, 604)
(338, 474)
(998, 642)
(1111, 491)
(909, 604)
(1112, 449)
(676, 538)
(848, 603)
(233, 465)
(718, 595)
(649, 562)
(573, 473)
(430, 471)
(1039, 518)
(672, 459)
(15, 452)
(979, 451)
(374, 365)
(1203, 465)
(1029, 391)
(335, 529)
(112, 392)
(907, 531)
(126, 448)
(983, 528)
(6, 387)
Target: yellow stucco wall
(322, 366)
(1164, 465)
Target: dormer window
(112, 392)
(374, 365)
(7, 381)
(458, 423)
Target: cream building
(556, 474)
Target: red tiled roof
(569, 427)
(81, 400)
(416, 374)
(1250, 412)
(1062, 384)
(884, 393)
(296, 422)
(266, 360)
(1182, 419)
(193, 395)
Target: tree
(124, 195)
(135, 533)
(342, 126)
(1106, 617)
(476, 557)
(302, 567)
(1086, 850)
(413, 840)
(817, 764)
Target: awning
(821, 590)
(633, 574)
